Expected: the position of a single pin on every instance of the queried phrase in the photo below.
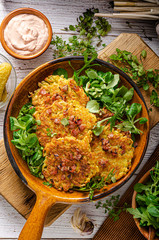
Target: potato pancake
(73, 155)
(79, 122)
(68, 163)
(55, 88)
(113, 150)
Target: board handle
(33, 227)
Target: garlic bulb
(81, 223)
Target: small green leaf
(38, 122)
(53, 134)
(106, 99)
(122, 91)
(65, 122)
(15, 124)
(98, 130)
(153, 210)
(115, 57)
(61, 71)
(31, 140)
(144, 53)
(72, 28)
(146, 86)
(50, 133)
(151, 199)
(93, 106)
(135, 60)
(141, 70)
(129, 94)
(139, 187)
(134, 212)
(47, 184)
(92, 74)
(114, 82)
(113, 179)
(134, 109)
(143, 120)
(135, 66)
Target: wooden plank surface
(62, 13)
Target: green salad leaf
(15, 124)
(114, 82)
(102, 88)
(93, 106)
(25, 139)
(98, 128)
(147, 199)
(61, 71)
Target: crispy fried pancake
(68, 163)
(55, 88)
(113, 150)
(72, 158)
(79, 121)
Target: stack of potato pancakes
(73, 155)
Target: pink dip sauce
(26, 34)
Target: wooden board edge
(49, 222)
(121, 35)
(14, 206)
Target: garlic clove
(81, 223)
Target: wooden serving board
(11, 187)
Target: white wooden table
(62, 13)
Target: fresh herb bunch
(130, 64)
(110, 207)
(74, 46)
(89, 28)
(147, 199)
(102, 88)
(96, 183)
(90, 32)
(25, 139)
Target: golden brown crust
(58, 88)
(80, 121)
(113, 150)
(68, 162)
(72, 157)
